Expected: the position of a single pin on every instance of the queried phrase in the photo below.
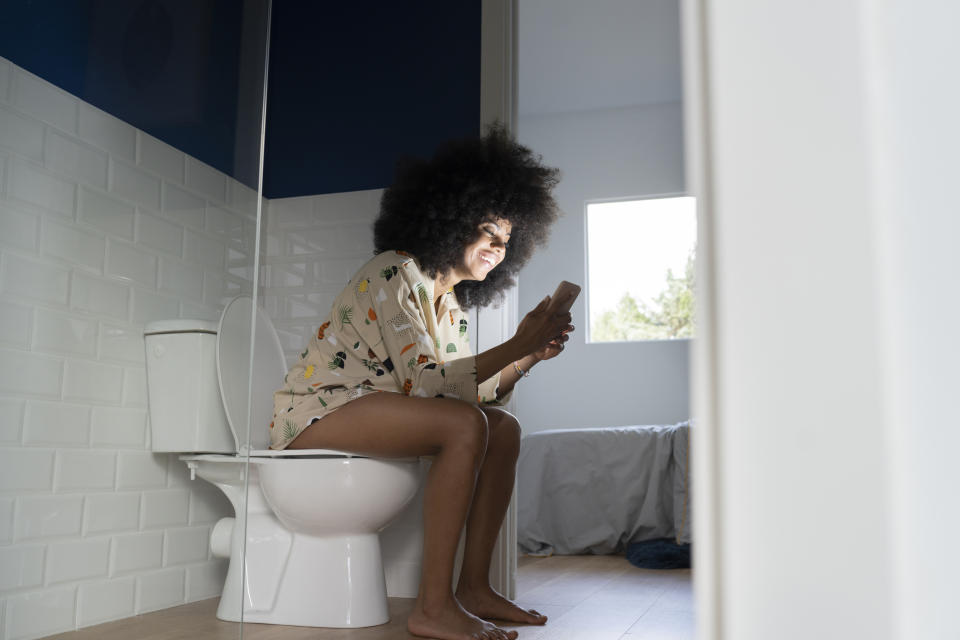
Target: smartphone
(564, 297)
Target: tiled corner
(243, 199)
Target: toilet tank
(186, 413)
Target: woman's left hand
(553, 348)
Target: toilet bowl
(303, 546)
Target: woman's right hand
(539, 327)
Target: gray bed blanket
(597, 490)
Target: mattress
(597, 490)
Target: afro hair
(434, 207)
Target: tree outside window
(641, 256)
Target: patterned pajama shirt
(382, 334)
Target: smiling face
(487, 249)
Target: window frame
(586, 262)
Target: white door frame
(706, 438)
(498, 101)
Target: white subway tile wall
(102, 229)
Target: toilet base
(327, 582)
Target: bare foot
(487, 603)
(453, 623)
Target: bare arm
(500, 358)
(536, 330)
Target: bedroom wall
(103, 228)
(600, 97)
(614, 153)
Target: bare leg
(391, 425)
(490, 502)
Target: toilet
(303, 545)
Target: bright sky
(631, 244)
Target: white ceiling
(577, 55)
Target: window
(640, 257)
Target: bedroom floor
(585, 597)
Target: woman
(390, 373)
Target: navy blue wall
(168, 67)
(353, 85)
(356, 85)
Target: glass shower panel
(130, 159)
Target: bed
(597, 490)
